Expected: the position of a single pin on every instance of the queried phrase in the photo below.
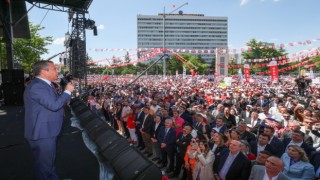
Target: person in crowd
(254, 123)
(262, 144)
(201, 127)
(124, 117)
(217, 143)
(140, 115)
(233, 164)
(261, 158)
(233, 135)
(219, 125)
(131, 125)
(229, 119)
(189, 158)
(315, 161)
(274, 142)
(44, 116)
(245, 114)
(177, 122)
(297, 138)
(167, 139)
(244, 133)
(146, 130)
(182, 142)
(154, 138)
(296, 164)
(246, 150)
(204, 161)
(117, 117)
(272, 170)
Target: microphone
(63, 79)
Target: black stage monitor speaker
(97, 131)
(15, 76)
(115, 148)
(131, 164)
(106, 138)
(95, 123)
(13, 94)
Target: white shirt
(266, 177)
(260, 148)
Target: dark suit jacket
(278, 145)
(308, 149)
(254, 148)
(187, 118)
(200, 131)
(169, 139)
(315, 159)
(43, 110)
(147, 124)
(239, 170)
(256, 128)
(155, 132)
(182, 144)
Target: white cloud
(59, 41)
(100, 27)
(243, 2)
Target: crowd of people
(197, 129)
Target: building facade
(183, 31)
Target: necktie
(53, 87)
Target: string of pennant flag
(211, 51)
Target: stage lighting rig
(91, 24)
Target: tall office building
(183, 31)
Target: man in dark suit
(274, 141)
(157, 124)
(262, 145)
(233, 164)
(219, 125)
(254, 122)
(315, 161)
(146, 130)
(297, 139)
(44, 116)
(167, 139)
(203, 129)
(182, 142)
(140, 115)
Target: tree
(28, 51)
(127, 58)
(260, 53)
(191, 61)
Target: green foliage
(28, 51)
(261, 53)
(195, 63)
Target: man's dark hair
(40, 65)
(270, 128)
(298, 132)
(265, 135)
(266, 152)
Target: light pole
(164, 37)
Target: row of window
(181, 24)
(203, 28)
(177, 40)
(171, 19)
(143, 44)
(181, 36)
(180, 32)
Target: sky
(274, 21)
